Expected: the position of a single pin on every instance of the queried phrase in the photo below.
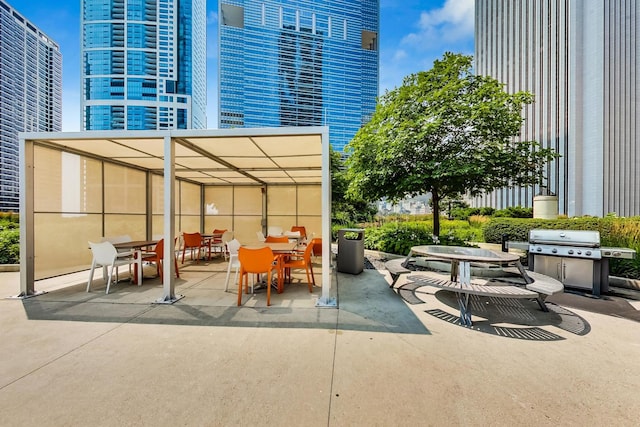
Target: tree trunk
(435, 203)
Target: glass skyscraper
(298, 63)
(143, 64)
(30, 94)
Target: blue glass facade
(298, 63)
(144, 64)
(30, 94)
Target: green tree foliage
(446, 132)
(346, 210)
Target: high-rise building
(143, 64)
(30, 93)
(298, 63)
(580, 60)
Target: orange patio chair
(301, 229)
(316, 243)
(220, 232)
(255, 261)
(302, 261)
(157, 256)
(276, 239)
(192, 241)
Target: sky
(413, 33)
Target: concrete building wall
(579, 59)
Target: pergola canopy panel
(201, 156)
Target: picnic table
(535, 286)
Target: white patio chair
(234, 262)
(105, 255)
(123, 238)
(274, 231)
(221, 246)
(260, 235)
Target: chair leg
(309, 280)
(242, 276)
(93, 267)
(269, 288)
(175, 260)
(226, 282)
(109, 279)
(160, 272)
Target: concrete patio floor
(385, 357)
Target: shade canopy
(267, 156)
(264, 157)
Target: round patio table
(461, 258)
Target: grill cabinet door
(549, 266)
(577, 273)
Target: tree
(446, 132)
(344, 209)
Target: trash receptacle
(350, 250)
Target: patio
(382, 358)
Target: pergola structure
(76, 187)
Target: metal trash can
(350, 250)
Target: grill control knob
(570, 251)
(579, 252)
(554, 250)
(588, 253)
(539, 249)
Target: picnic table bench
(542, 287)
(516, 283)
(396, 267)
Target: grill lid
(583, 238)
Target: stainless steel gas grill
(574, 257)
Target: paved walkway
(384, 358)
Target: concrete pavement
(384, 358)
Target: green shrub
(464, 213)
(461, 230)
(514, 212)
(478, 221)
(9, 245)
(398, 238)
(517, 229)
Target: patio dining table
(280, 250)
(136, 246)
(208, 240)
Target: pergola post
(27, 179)
(325, 299)
(169, 224)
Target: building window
(232, 16)
(369, 40)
